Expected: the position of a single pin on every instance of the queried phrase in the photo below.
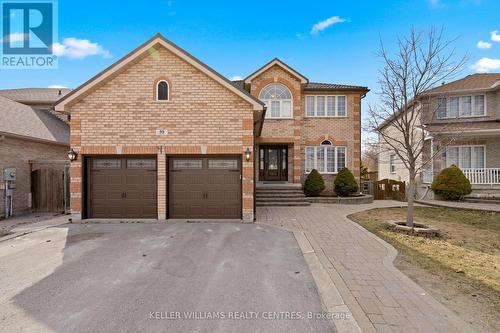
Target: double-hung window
(461, 106)
(325, 159)
(465, 157)
(278, 100)
(392, 163)
(326, 106)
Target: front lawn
(461, 268)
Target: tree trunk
(411, 199)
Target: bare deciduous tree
(421, 61)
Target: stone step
(259, 199)
(286, 203)
(279, 191)
(280, 195)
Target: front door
(273, 163)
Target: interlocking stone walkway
(381, 298)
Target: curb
(330, 296)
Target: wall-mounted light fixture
(72, 154)
(248, 154)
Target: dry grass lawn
(461, 268)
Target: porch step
(277, 195)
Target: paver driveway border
(380, 297)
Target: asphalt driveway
(153, 277)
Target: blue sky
(236, 37)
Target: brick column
(75, 188)
(162, 186)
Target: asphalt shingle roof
(23, 120)
(34, 95)
(313, 86)
(470, 82)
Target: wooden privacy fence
(49, 188)
(389, 189)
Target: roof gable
(277, 62)
(129, 59)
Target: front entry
(273, 164)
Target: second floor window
(326, 106)
(278, 100)
(460, 106)
(392, 163)
(162, 93)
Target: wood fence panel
(48, 190)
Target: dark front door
(205, 187)
(274, 163)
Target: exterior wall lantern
(248, 154)
(72, 155)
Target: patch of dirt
(72, 239)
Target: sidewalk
(380, 297)
(487, 207)
(28, 223)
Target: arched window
(326, 143)
(162, 91)
(278, 100)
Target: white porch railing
(483, 176)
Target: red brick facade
(302, 131)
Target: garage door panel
(123, 187)
(204, 187)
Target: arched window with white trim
(278, 100)
(162, 91)
(326, 158)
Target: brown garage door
(205, 187)
(122, 187)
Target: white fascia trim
(61, 106)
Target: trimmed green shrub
(451, 184)
(314, 184)
(345, 183)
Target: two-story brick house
(161, 135)
(462, 121)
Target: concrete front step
(259, 199)
(286, 203)
(280, 195)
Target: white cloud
(495, 36)
(79, 48)
(483, 45)
(57, 86)
(15, 37)
(236, 78)
(486, 65)
(322, 25)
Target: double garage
(198, 187)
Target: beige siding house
(464, 130)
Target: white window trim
(326, 106)
(485, 113)
(315, 159)
(267, 102)
(459, 156)
(392, 163)
(168, 92)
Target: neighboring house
(30, 137)
(465, 131)
(161, 135)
